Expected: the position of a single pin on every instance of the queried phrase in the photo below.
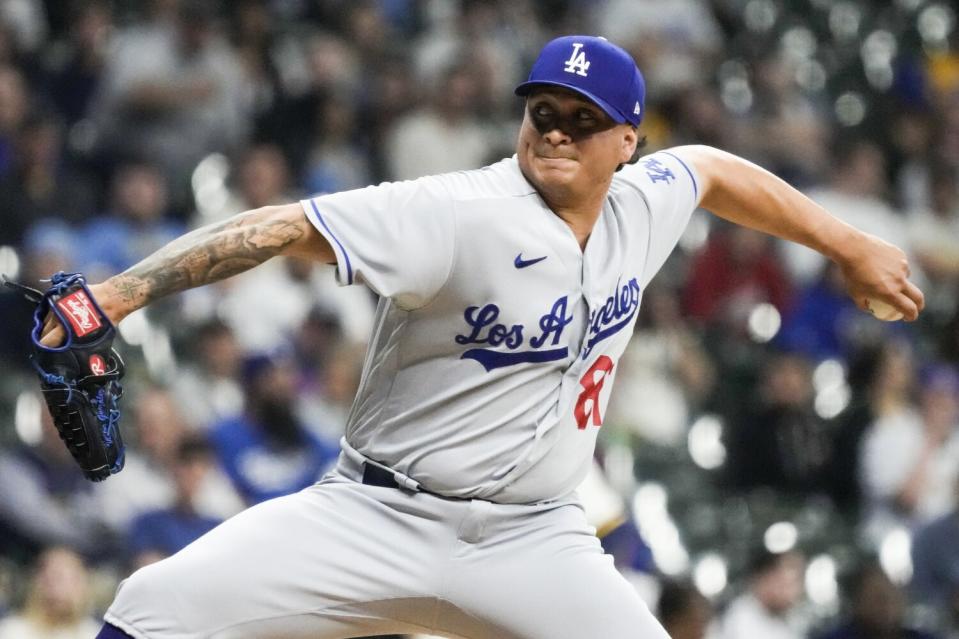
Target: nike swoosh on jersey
(519, 262)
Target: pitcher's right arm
(206, 255)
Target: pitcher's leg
(548, 578)
(328, 562)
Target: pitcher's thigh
(321, 564)
(546, 576)
(570, 599)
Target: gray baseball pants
(344, 559)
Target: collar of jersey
(523, 186)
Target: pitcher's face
(568, 143)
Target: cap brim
(614, 113)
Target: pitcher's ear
(630, 143)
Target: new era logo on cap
(597, 69)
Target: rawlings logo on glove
(80, 379)
(80, 311)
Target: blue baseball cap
(595, 68)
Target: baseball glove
(80, 379)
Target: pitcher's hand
(874, 268)
(53, 334)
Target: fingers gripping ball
(883, 311)
(80, 379)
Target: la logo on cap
(577, 62)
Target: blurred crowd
(783, 464)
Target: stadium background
(759, 420)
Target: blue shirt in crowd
(258, 470)
(167, 531)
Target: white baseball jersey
(494, 351)
(496, 338)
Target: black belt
(376, 476)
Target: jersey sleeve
(670, 188)
(397, 238)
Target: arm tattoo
(204, 256)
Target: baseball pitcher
(507, 296)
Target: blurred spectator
(943, 78)
(816, 325)
(259, 47)
(294, 285)
(262, 179)
(664, 375)
(369, 32)
(910, 458)
(14, 106)
(934, 235)
(674, 38)
(291, 286)
(736, 270)
(336, 162)
(341, 380)
(39, 184)
(323, 65)
(698, 117)
(878, 608)
(45, 499)
(826, 324)
(48, 247)
(314, 343)
(781, 443)
(789, 135)
(135, 226)
(935, 560)
(912, 142)
(630, 552)
(208, 386)
(174, 90)
(27, 21)
(444, 136)
(58, 604)
(148, 479)
(855, 195)
(947, 339)
(75, 67)
(157, 534)
(267, 451)
(482, 35)
(684, 612)
(333, 65)
(766, 609)
(388, 97)
(607, 512)
(328, 372)
(8, 52)
(894, 380)
(866, 366)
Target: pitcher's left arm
(741, 192)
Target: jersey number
(587, 406)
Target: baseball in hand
(883, 311)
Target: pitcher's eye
(542, 111)
(585, 118)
